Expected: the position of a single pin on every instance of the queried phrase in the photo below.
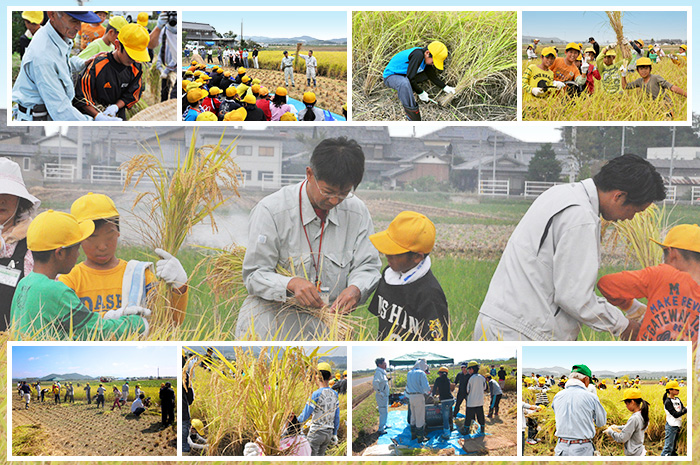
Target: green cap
(583, 369)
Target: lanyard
(316, 262)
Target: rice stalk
(615, 18)
(652, 223)
(200, 182)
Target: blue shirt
(191, 114)
(417, 382)
(399, 63)
(45, 76)
(577, 412)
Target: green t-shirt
(610, 76)
(43, 308)
(95, 47)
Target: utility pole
(622, 145)
(673, 149)
(80, 154)
(493, 175)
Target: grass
(617, 415)
(332, 64)
(481, 64)
(631, 105)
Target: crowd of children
(217, 94)
(576, 71)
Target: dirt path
(81, 430)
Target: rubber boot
(421, 434)
(414, 434)
(412, 114)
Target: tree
(544, 166)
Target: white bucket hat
(11, 181)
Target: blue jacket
(399, 63)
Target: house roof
(487, 162)
(199, 27)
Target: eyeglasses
(327, 195)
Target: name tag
(9, 276)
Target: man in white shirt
(380, 383)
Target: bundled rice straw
(615, 18)
(201, 181)
(225, 272)
(164, 111)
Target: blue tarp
(397, 428)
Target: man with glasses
(318, 232)
(44, 88)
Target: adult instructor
(44, 87)
(543, 287)
(319, 231)
(380, 384)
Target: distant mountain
(543, 40)
(644, 374)
(308, 40)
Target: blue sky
(578, 26)
(363, 356)
(319, 24)
(614, 358)
(91, 360)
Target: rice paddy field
(481, 64)
(630, 105)
(331, 63)
(617, 415)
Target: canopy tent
(430, 358)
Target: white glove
(449, 90)
(580, 79)
(170, 269)
(105, 117)
(164, 74)
(584, 68)
(111, 110)
(636, 311)
(623, 71)
(558, 84)
(125, 311)
(334, 440)
(612, 46)
(162, 20)
(251, 450)
(536, 91)
(423, 96)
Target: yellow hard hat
(198, 425)
(632, 393)
(324, 366)
(94, 207)
(439, 52)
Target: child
(632, 434)
(531, 55)
(538, 78)
(409, 301)
(292, 443)
(529, 423)
(323, 409)
(672, 289)
(496, 395)
(564, 68)
(589, 69)
(609, 69)
(196, 441)
(212, 102)
(476, 388)
(652, 84)
(194, 98)
(43, 307)
(674, 411)
(230, 103)
(117, 398)
(443, 389)
(100, 280)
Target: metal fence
(498, 187)
(59, 172)
(695, 195)
(671, 194)
(275, 181)
(535, 188)
(107, 174)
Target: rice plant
(481, 64)
(652, 223)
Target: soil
(502, 429)
(79, 429)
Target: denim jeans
(184, 432)
(671, 440)
(446, 410)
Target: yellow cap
(214, 91)
(142, 19)
(94, 207)
(197, 94)
(219, 70)
(439, 53)
(345, 372)
(643, 61)
(231, 91)
(579, 58)
(35, 17)
(473, 363)
(207, 116)
(198, 425)
(632, 393)
(670, 385)
(611, 53)
(324, 366)
(185, 83)
(256, 88)
(249, 98)
(408, 232)
(288, 117)
(236, 115)
(135, 40)
(443, 369)
(683, 236)
(245, 79)
(573, 45)
(263, 91)
(118, 22)
(281, 91)
(205, 76)
(684, 47)
(549, 51)
(309, 97)
(52, 230)
(193, 85)
(640, 41)
(542, 380)
(227, 73)
(242, 70)
(588, 50)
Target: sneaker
(531, 441)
